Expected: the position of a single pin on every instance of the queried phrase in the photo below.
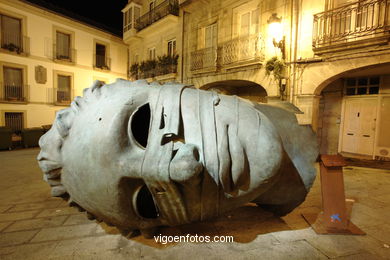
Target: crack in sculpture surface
(141, 155)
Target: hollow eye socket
(140, 123)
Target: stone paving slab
(4, 208)
(342, 245)
(57, 212)
(77, 219)
(299, 250)
(32, 206)
(361, 256)
(3, 225)
(35, 226)
(37, 223)
(66, 232)
(15, 238)
(13, 216)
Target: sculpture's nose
(185, 166)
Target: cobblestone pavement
(35, 226)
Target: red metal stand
(335, 217)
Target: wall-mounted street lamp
(276, 31)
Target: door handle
(366, 135)
(349, 134)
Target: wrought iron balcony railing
(204, 59)
(101, 62)
(354, 22)
(165, 8)
(14, 93)
(62, 53)
(15, 43)
(62, 96)
(242, 49)
(237, 52)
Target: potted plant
(277, 68)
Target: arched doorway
(241, 88)
(354, 113)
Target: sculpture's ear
(287, 106)
(299, 141)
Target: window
(171, 47)
(101, 59)
(63, 91)
(248, 22)
(211, 36)
(11, 33)
(152, 53)
(130, 18)
(63, 50)
(362, 86)
(14, 120)
(13, 84)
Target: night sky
(106, 15)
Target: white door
(359, 126)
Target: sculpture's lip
(48, 166)
(169, 202)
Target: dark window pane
(373, 90)
(363, 82)
(362, 91)
(350, 91)
(374, 81)
(351, 82)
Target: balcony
(162, 10)
(242, 50)
(14, 93)
(101, 62)
(16, 43)
(238, 52)
(163, 67)
(204, 59)
(64, 54)
(62, 97)
(355, 25)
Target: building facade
(331, 58)
(152, 30)
(46, 59)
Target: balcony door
(13, 83)
(63, 46)
(101, 56)
(64, 86)
(11, 33)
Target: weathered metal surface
(335, 217)
(141, 155)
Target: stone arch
(347, 72)
(317, 76)
(328, 104)
(257, 76)
(242, 88)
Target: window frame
(57, 73)
(73, 56)
(24, 69)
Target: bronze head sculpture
(141, 155)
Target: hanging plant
(134, 70)
(275, 67)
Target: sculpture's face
(141, 156)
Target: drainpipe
(182, 50)
(294, 49)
